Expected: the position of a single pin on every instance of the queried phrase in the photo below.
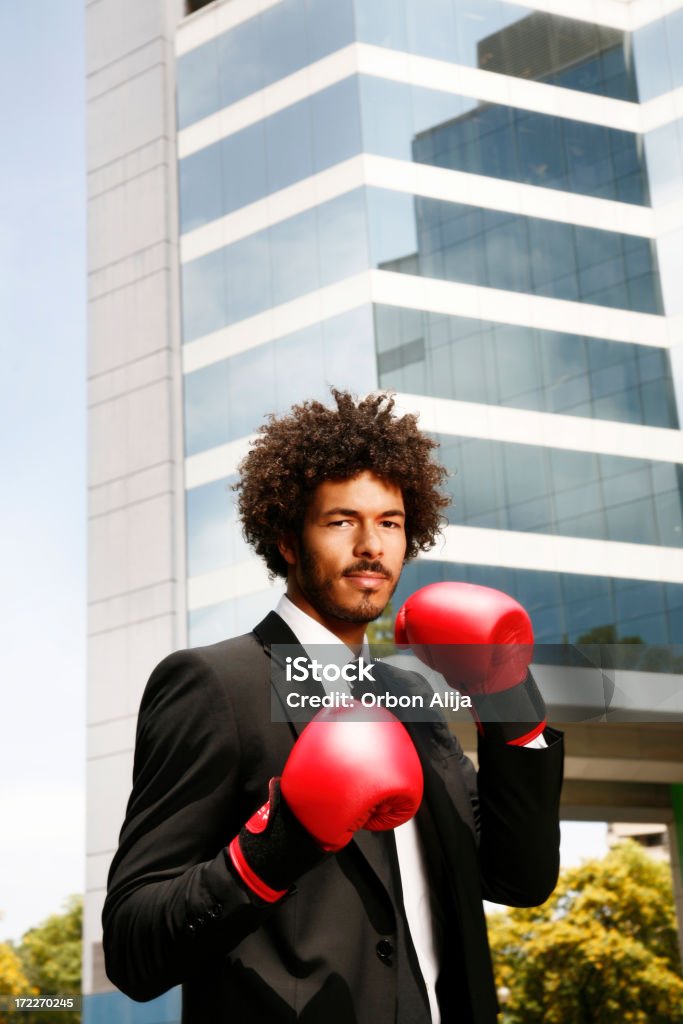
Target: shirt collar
(311, 633)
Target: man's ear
(287, 547)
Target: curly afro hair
(313, 443)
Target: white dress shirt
(411, 863)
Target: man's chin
(366, 611)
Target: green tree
(380, 633)
(13, 980)
(602, 950)
(51, 957)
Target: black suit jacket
(335, 950)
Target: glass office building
(479, 205)
(462, 202)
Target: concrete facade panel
(137, 209)
(128, 323)
(154, 602)
(117, 172)
(129, 433)
(110, 776)
(141, 373)
(133, 268)
(130, 548)
(130, 66)
(128, 490)
(113, 737)
(96, 871)
(127, 117)
(121, 663)
(117, 29)
(136, 611)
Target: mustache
(365, 566)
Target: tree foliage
(602, 950)
(381, 632)
(51, 952)
(13, 981)
(47, 961)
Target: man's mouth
(367, 580)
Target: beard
(319, 589)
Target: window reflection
(271, 45)
(280, 263)
(572, 608)
(502, 364)
(229, 618)
(214, 539)
(488, 34)
(229, 399)
(580, 494)
(365, 113)
(500, 250)
(303, 139)
(664, 155)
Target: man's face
(348, 560)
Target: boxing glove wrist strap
(515, 716)
(273, 849)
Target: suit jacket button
(385, 951)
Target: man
(225, 880)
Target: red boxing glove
(351, 768)
(482, 642)
(346, 773)
(478, 638)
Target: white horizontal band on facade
(663, 109)
(216, 463)
(278, 321)
(667, 219)
(445, 297)
(524, 94)
(524, 309)
(491, 423)
(544, 429)
(409, 69)
(627, 15)
(247, 577)
(421, 180)
(425, 72)
(278, 206)
(494, 87)
(469, 545)
(258, 105)
(508, 196)
(214, 19)
(544, 552)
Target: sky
(43, 450)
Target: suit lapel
(447, 828)
(273, 632)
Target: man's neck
(350, 633)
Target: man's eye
(390, 522)
(339, 522)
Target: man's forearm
(519, 795)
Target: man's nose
(369, 543)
